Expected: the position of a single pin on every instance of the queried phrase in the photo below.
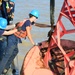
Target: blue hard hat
(3, 23)
(12, 0)
(35, 13)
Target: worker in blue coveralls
(3, 24)
(12, 48)
(3, 42)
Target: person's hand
(19, 28)
(16, 25)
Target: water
(23, 7)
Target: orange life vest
(21, 33)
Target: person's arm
(29, 35)
(10, 27)
(9, 32)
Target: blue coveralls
(3, 44)
(11, 52)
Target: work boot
(15, 72)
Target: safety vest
(21, 33)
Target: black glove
(16, 25)
(33, 23)
(19, 28)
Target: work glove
(19, 28)
(16, 25)
(33, 23)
